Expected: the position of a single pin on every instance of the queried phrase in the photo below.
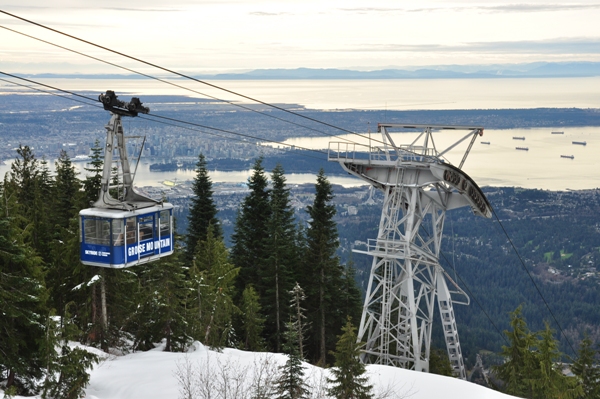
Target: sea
(544, 161)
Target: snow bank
(154, 375)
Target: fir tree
(586, 368)
(93, 180)
(203, 211)
(519, 357)
(161, 312)
(439, 363)
(64, 250)
(248, 251)
(323, 273)
(22, 300)
(290, 384)
(252, 320)
(31, 188)
(282, 258)
(66, 191)
(547, 380)
(73, 376)
(349, 381)
(530, 369)
(66, 372)
(350, 301)
(213, 278)
(299, 323)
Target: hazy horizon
(236, 35)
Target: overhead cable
(533, 281)
(168, 82)
(179, 74)
(167, 118)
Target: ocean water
(494, 164)
(500, 163)
(392, 94)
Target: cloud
(554, 46)
(93, 6)
(268, 14)
(502, 8)
(538, 7)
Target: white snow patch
(152, 375)
(92, 281)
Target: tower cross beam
(406, 280)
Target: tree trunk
(168, 343)
(11, 379)
(104, 312)
(94, 309)
(278, 330)
(322, 310)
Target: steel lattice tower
(406, 279)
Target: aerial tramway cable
(167, 82)
(178, 73)
(231, 103)
(160, 116)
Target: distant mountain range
(530, 70)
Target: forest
(275, 280)
(274, 275)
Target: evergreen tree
(586, 368)
(89, 299)
(93, 180)
(350, 301)
(520, 361)
(31, 188)
(299, 323)
(323, 273)
(22, 300)
(252, 320)
(203, 211)
(63, 259)
(349, 381)
(67, 188)
(251, 228)
(161, 312)
(66, 373)
(213, 278)
(439, 363)
(282, 258)
(117, 301)
(64, 271)
(530, 369)
(547, 380)
(290, 383)
(73, 376)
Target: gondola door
(146, 234)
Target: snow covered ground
(157, 375)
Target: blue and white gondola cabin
(131, 229)
(120, 238)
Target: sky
(209, 36)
